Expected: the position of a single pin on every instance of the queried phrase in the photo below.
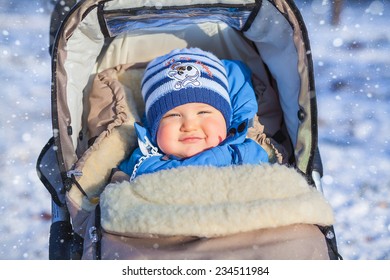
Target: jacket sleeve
(128, 164)
(249, 152)
(241, 91)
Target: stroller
(259, 212)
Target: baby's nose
(189, 124)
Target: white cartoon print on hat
(185, 74)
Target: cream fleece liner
(210, 201)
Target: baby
(197, 109)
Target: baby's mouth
(190, 139)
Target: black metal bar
(60, 240)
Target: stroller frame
(299, 131)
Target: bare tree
(336, 11)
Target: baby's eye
(204, 112)
(171, 115)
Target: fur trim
(211, 201)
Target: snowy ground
(352, 64)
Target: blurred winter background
(352, 71)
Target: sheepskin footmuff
(212, 202)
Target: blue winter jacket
(235, 149)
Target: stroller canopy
(271, 38)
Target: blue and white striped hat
(184, 76)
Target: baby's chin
(191, 153)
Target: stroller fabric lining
(282, 198)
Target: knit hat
(184, 76)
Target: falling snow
(352, 74)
